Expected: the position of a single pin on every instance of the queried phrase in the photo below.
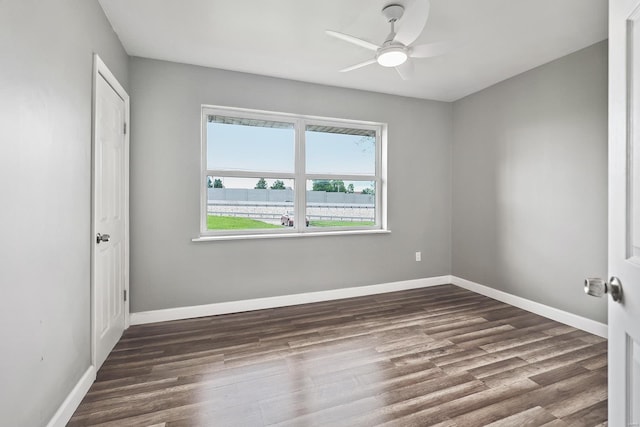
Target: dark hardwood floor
(435, 356)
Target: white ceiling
(493, 39)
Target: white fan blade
(406, 70)
(430, 49)
(413, 20)
(354, 40)
(360, 65)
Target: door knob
(102, 238)
(597, 287)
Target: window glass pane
(337, 203)
(249, 145)
(338, 150)
(248, 203)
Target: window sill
(287, 235)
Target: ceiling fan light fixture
(392, 56)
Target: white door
(624, 211)
(110, 213)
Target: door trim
(100, 70)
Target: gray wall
(168, 270)
(530, 183)
(45, 120)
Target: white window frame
(299, 176)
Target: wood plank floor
(435, 356)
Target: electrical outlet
(418, 256)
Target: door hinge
(125, 128)
(125, 294)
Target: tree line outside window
(328, 185)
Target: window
(263, 171)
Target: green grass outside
(234, 223)
(322, 223)
(215, 222)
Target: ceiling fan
(396, 51)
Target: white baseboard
(561, 316)
(71, 403)
(178, 313)
(144, 317)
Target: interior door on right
(624, 211)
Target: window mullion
(252, 174)
(344, 177)
(300, 180)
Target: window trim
(299, 176)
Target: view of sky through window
(340, 153)
(238, 147)
(250, 148)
